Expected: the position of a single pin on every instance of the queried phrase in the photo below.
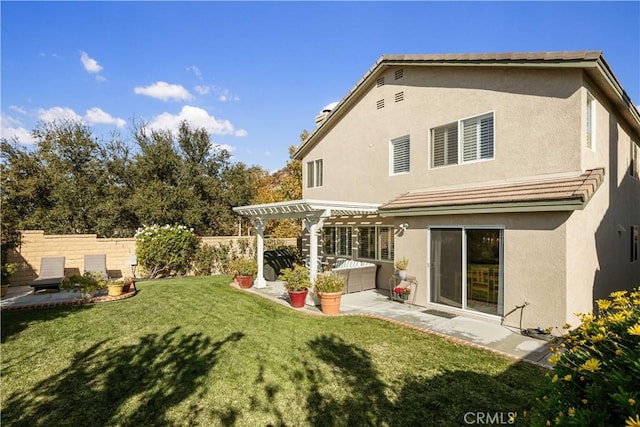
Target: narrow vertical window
(400, 155)
(444, 145)
(635, 243)
(591, 122)
(634, 168)
(315, 173)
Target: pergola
(313, 214)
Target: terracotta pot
(244, 282)
(330, 302)
(298, 298)
(114, 290)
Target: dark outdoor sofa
(275, 261)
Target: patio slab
(485, 334)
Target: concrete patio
(485, 334)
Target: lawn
(197, 351)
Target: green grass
(198, 352)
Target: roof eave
(541, 206)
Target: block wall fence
(119, 251)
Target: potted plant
(296, 282)
(329, 288)
(244, 270)
(115, 288)
(7, 271)
(402, 292)
(401, 266)
(129, 283)
(87, 284)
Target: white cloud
(11, 128)
(164, 91)
(18, 109)
(225, 95)
(90, 64)
(96, 115)
(196, 117)
(58, 114)
(267, 153)
(229, 148)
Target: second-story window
(590, 116)
(314, 173)
(463, 141)
(400, 155)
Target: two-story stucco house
(505, 179)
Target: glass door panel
(484, 290)
(446, 266)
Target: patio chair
(51, 274)
(96, 263)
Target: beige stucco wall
(36, 244)
(534, 261)
(537, 115)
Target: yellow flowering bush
(596, 375)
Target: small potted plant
(401, 266)
(402, 292)
(244, 270)
(329, 288)
(296, 282)
(115, 288)
(129, 283)
(8, 270)
(87, 284)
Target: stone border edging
(82, 301)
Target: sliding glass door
(466, 268)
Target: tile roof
(573, 192)
(584, 55)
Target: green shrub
(295, 279)
(596, 377)
(329, 282)
(205, 261)
(244, 267)
(85, 284)
(167, 250)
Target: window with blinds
(591, 122)
(634, 167)
(375, 243)
(400, 155)
(337, 241)
(314, 173)
(444, 145)
(463, 141)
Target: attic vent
(380, 82)
(399, 96)
(399, 73)
(380, 104)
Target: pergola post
(259, 281)
(313, 226)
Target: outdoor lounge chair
(51, 274)
(97, 264)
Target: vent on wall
(380, 104)
(399, 96)
(399, 73)
(380, 82)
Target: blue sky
(255, 74)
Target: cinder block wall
(35, 245)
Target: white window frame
(379, 232)
(315, 173)
(460, 155)
(392, 155)
(590, 122)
